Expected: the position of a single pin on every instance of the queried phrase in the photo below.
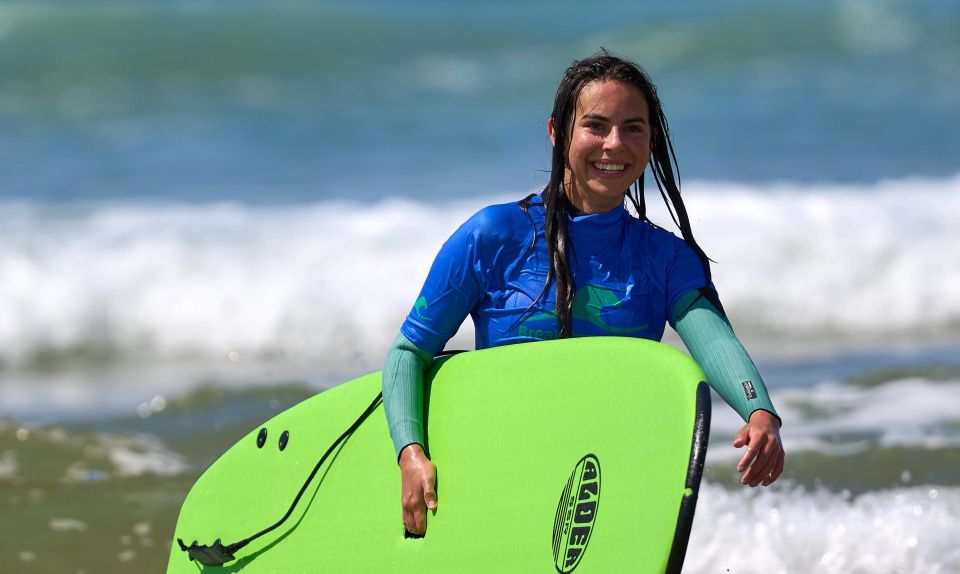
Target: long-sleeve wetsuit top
(628, 275)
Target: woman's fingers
(753, 448)
(414, 519)
(414, 507)
(742, 436)
(777, 470)
(763, 464)
(420, 521)
(752, 460)
(409, 523)
(429, 494)
(427, 499)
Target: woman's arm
(711, 341)
(403, 375)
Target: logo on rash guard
(589, 304)
(576, 514)
(418, 308)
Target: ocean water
(209, 212)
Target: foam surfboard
(578, 455)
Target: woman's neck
(582, 206)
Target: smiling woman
(573, 262)
(609, 145)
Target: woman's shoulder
(501, 220)
(658, 238)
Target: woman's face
(609, 145)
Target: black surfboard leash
(218, 553)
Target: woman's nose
(612, 140)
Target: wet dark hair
(599, 67)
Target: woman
(536, 269)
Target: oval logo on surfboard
(576, 514)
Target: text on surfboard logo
(576, 514)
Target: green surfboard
(578, 455)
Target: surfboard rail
(698, 457)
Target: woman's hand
(418, 490)
(763, 461)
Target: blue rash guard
(631, 277)
(628, 275)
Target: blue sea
(212, 210)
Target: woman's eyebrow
(603, 118)
(596, 116)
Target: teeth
(612, 167)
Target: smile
(610, 168)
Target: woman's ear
(550, 132)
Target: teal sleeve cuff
(403, 375)
(714, 346)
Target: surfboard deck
(573, 455)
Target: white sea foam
(8, 464)
(143, 454)
(780, 530)
(842, 419)
(67, 524)
(827, 259)
(84, 456)
(333, 280)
